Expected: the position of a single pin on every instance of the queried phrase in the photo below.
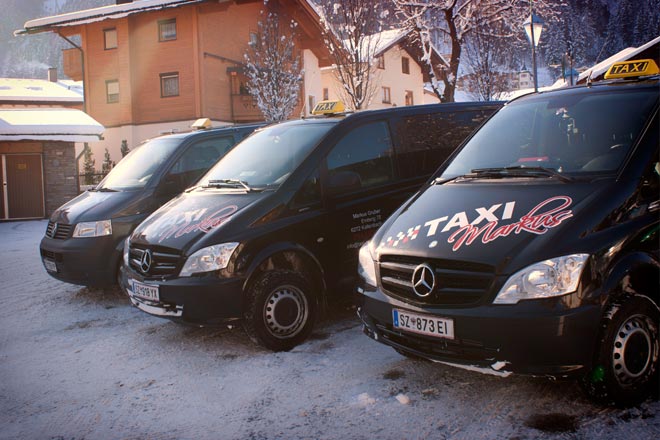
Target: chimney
(52, 74)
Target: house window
(110, 38)
(112, 91)
(167, 30)
(409, 98)
(326, 94)
(380, 62)
(253, 39)
(405, 65)
(169, 84)
(387, 98)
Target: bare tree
(487, 63)
(456, 19)
(273, 68)
(352, 34)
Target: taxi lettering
(547, 214)
(629, 68)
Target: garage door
(23, 186)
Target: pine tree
(273, 68)
(88, 165)
(124, 148)
(107, 164)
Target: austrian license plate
(50, 265)
(423, 324)
(146, 291)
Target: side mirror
(344, 182)
(170, 185)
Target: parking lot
(83, 364)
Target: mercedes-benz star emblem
(423, 280)
(145, 261)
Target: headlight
(554, 277)
(125, 252)
(93, 229)
(366, 265)
(208, 259)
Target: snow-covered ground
(82, 364)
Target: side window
(363, 157)
(197, 160)
(426, 140)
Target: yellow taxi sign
(201, 124)
(328, 108)
(634, 68)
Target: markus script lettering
(537, 221)
(194, 223)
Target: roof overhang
(48, 124)
(50, 24)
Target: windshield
(571, 134)
(268, 156)
(135, 170)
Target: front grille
(58, 231)
(458, 283)
(163, 261)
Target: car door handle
(654, 206)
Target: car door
(360, 190)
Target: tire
(281, 309)
(626, 367)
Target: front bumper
(197, 300)
(85, 261)
(540, 337)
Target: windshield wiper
(519, 171)
(103, 190)
(230, 183)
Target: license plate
(423, 324)
(145, 291)
(50, 265)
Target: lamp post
(533, 28)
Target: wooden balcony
(244, 109)
(72, 63)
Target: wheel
(281, 309)
(626, 368)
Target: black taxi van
(534, 248)
(273, 229)
(84, 237)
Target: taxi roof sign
(328, 108)
(632, 69)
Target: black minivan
(271, 232)
(535, 247)
(84, 237)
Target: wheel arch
(291, 256)
(634, 274)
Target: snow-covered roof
(387, 39)
(40, 90)
(628, 53)
(48, 124)
(98, 14)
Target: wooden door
(25, 189)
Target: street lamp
(533, 28)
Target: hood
(97, 205)
(191, 217)
(489, 223)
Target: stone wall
(60, 174)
